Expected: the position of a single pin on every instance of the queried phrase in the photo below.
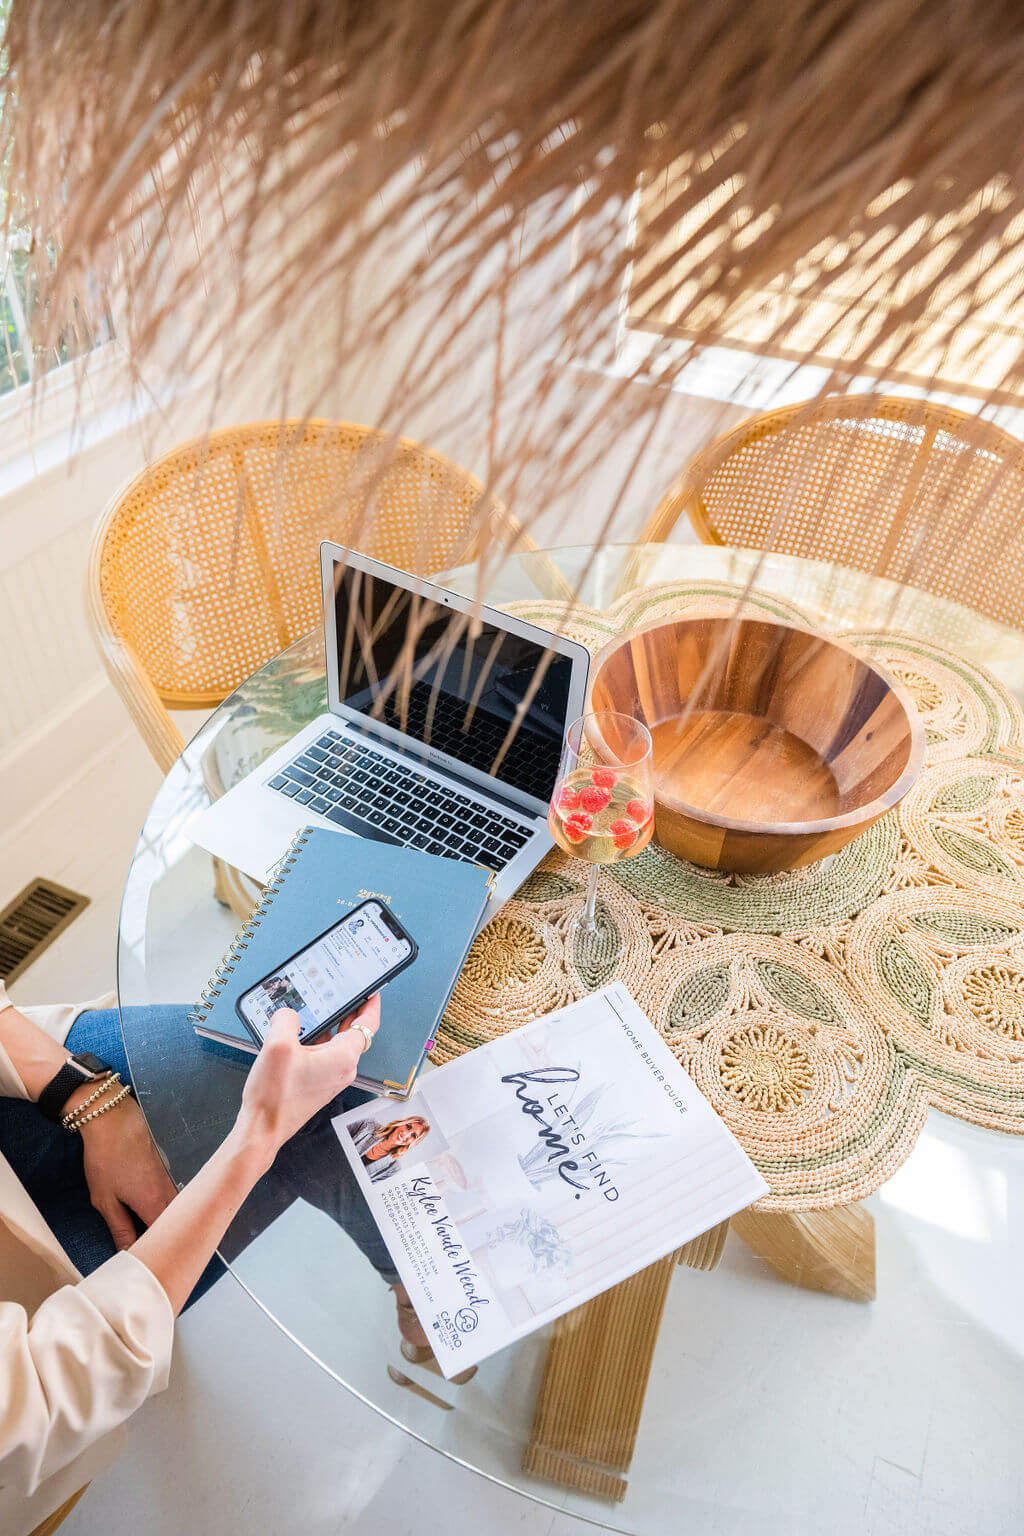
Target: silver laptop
(420, 763)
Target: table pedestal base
(831, 1250)
(592, 1392)
(595, 1377)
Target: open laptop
(419, 768)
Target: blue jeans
(48, 1161)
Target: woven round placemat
(821, 1011)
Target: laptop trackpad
(248, 831)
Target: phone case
(350, 1007)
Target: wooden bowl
(793, 746)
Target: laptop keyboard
(360, 789)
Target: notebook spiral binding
(226, 965)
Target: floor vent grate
(32, 921)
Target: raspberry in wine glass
(603, 815)
(602, 807)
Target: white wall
(57, 710)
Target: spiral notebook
(320, 878)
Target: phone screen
(345, 963)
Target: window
(970, 345)
(20, 362)
(13, 367)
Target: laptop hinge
(443, 770)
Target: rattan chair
(206, 564)
(918, 492)
(52, 1522)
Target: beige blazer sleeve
(55, 1020)
(11, 1085)
(84, 1360)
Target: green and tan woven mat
(824, 1010)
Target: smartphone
(333, 975)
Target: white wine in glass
(602, 808)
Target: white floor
(791, 1412)
(207, 1456)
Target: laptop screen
(451, 681)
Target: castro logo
(465, 1320)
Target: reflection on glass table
(908, 1401)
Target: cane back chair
(206, 564)
(908, 489)
(52, 1522)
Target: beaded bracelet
(80, 1119)
(107, 1082)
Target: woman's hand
(289, 1081)
(122, 1166)
(124, 1172)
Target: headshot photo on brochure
(383, 1144)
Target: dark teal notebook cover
(321, 878)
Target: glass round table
(760, 1394)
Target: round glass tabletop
(911, 1401)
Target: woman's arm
(287, 1084)
(123, 1168)
(91, 1353)
(35, 1055)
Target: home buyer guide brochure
(535, 1172)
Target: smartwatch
(84, 1068)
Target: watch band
(83, 1068)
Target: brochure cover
(539, 1170)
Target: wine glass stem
(589, 919)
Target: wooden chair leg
(831, 1250)
(50, 1524)
(221, 884)
(592, 1392)
(235, 890)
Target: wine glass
(602, 807)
